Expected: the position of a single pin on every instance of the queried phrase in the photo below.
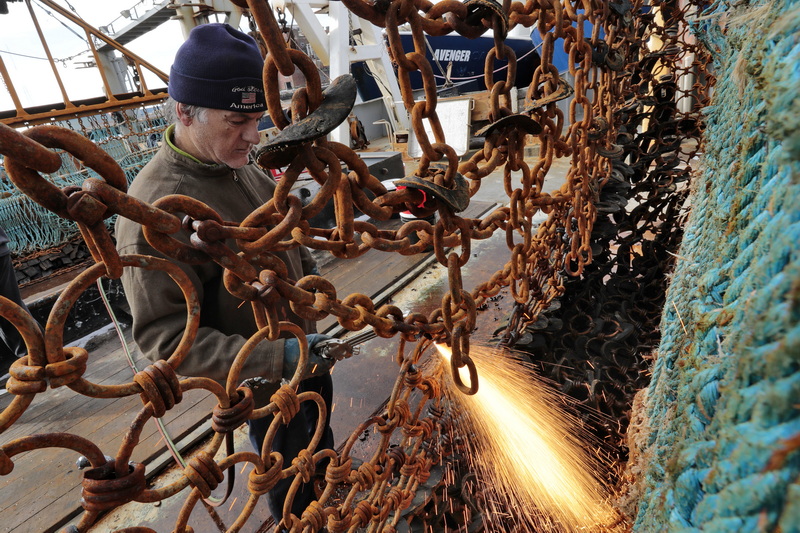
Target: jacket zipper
(245, 192)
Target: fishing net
(715, 448)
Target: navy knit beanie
(218, 67)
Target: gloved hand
(317, 365)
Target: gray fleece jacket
(157, 303)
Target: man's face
(223, 137)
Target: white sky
(33, 79)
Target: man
(216, 92)
(12, 346)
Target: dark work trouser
(12, 345)
(289, 440)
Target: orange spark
(528, 452)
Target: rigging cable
(447, 80)
(50, 13)
(162, 428)
(59, 60)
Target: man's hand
(317, 365)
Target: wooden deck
(42, 493)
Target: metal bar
(142, 82)
(33, 119)
(49, 55)
(99, 63)
(108, 40)
(10, 87)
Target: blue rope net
(131, 137)
(717, 442)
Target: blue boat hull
(468, 58)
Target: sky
(25, 58)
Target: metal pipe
(10, 86)
(49, 55)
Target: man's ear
(182, 116)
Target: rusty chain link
(610, 70)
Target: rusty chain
(602, 68)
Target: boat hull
(464, 58)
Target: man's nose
(251, 134)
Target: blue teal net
(718, 442)
(131, 137)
